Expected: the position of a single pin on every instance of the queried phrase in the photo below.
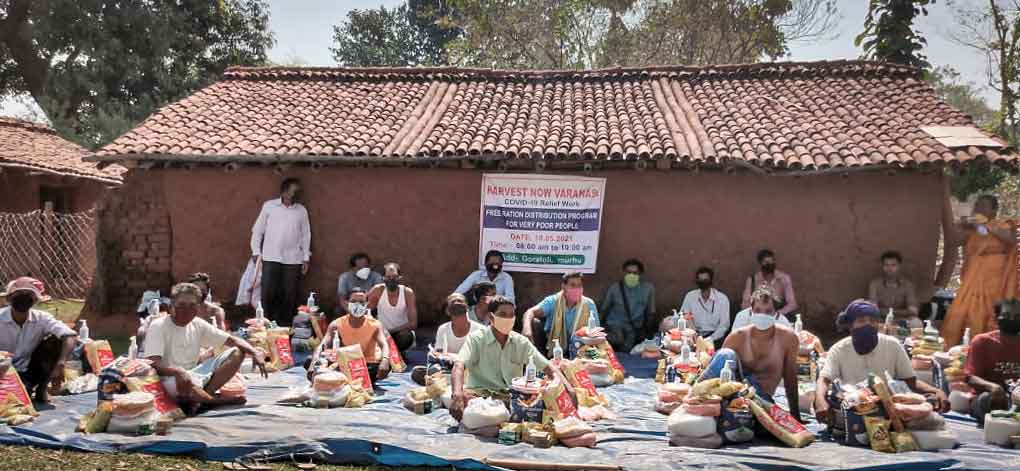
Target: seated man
(711, 308)
(395, 306)
(359, 276)
(628, 306)
(173, 345)
(492, 273)
(893, 291)
(450, 337)
(779, 282)
(358, 328)
(483, 293)
(747, 316)
(762, 353)
(204, 284)
(994, 358)
(39, 343)
(559, 315)
(866, 352)
(493, 357)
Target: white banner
(542, 223)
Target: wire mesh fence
(57, 248)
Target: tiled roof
(37, 147)
(771, 116)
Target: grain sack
(353, 365)
(279, 349)
(959, 401)
(558, 403)
(99, 354)
(397, 364)
(878, 434)
(150, 383)
(934, 440)
(481, 413)
(780, 423)
(133, 404)
(682, 424)
(570, 427)
(13, 392)
(586, 440)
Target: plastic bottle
(336, 341)
(593, 323)
(557, 350)
(726, 375)
(83, 331)
(890, 321)
(929, 330)
(966, 338)
(208, 296)
(260, 314)
(154, 308)
(798, 325)
(311, 302)
(133, 348)
(530, 371)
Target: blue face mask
(865, 339)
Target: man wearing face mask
(358, 328)
(395, 306)
(493, 273)
(757, 315)
(173, 345)
(560, 315)
(450, 336)
(866, 352)
(629, 307)
(282, 236)
(483, 293)
(360, 275)
(763, 352)
(40, 344)
(711, 308)
(493, 357)
(778, 282)
(994, 359)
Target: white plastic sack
(601, 380)
(934, 440)
(959, 401)
(331, 400)
(481, 413)
(142, 424)
(85, 383)
(249, 290)
(682, 424)
(296, 395)
(999, 429)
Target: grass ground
(23, 458)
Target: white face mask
(762, 321)
(363, 273)
(356, 309)
(503, 325)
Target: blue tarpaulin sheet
(385, 433)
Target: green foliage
(964, 96)
(889, 34)
(414, 33)
(96, 68)
(975, 180)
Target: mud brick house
(826, 163)
(38, 167)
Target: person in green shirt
(493, 357)
(629, 307)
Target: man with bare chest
(763, 353)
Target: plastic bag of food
(234, 388)
(580, 379)
(878, 434)
(296, 395)
(133, 404)
(780, 423)
(933, 421)
(682, 424)
(417, 401)
(328, 381)
(150, 383)
(397, 364)
(934, 440)
(352, 363)
(728, 389)
(999, 426)
(436, 385)
(736, 422)
(706, 406)
(279, 349)
(666, 408)
(586, 440)
(99, 354)
(142, 424)
(708, 441)
(526, 407)
(570, 427)
(13, 392)
(357, 396)
(482, 412)
(904, 442)
(558, 403)
(704, 387)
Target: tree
(96, 68)
(964, 96)
(414, 33)
(889, 34)
(565, 34)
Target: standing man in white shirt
(282, 236)
(711, 308)
(492, 272)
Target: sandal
(241, 464)
(306, 466)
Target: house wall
(19, 191)
(827, 230)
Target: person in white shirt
(282, 236)
(710, 307)
(492, 272)
(173, 345)
(450, 337)
(40, 344)
(395, 306)
(483, 293)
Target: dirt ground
(23, 458)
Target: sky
(304, 33)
